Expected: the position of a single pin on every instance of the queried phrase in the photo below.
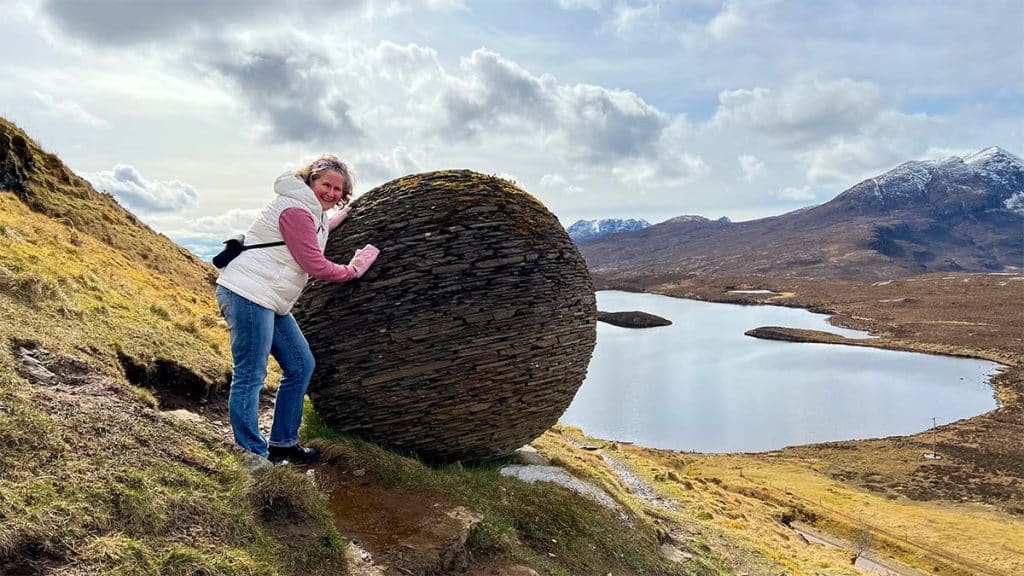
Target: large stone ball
(472, 332)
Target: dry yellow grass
(748, 494)
(745, 531)
(86, 292)
(972, 534)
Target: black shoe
(293, 455)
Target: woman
(257, 290)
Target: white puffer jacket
(270, 276)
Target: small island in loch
(632, 319)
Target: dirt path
(637, 485)
(867, 561)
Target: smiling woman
(257, 290)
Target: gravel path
(637, 485)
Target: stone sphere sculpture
(471, 333)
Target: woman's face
(328, 187)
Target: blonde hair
(310, 172)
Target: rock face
(470, 335)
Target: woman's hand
(364, 258)
(339, 217)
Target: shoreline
(956, 315)
(808, 336)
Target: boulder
(470, 335)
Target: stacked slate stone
(472, 332)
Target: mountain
(954, 214)
(586, 230)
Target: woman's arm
(338, 218)
(299, 232)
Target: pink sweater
(299, 232)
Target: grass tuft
(29, 288)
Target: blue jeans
(257, 332)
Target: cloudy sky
(186, 110)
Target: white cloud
(69, 110)
(144, 196)
(940, 152)
(837, 162)
(576, 4)
(495, 97)
(377, 168)
(126, 22)
(209, 228)
(802, 113)
(291, 86)
(495, 94)
(796, 194)
(410, 65)
(553, 181)
(752, 166)
(557, 183)
(891, 139)
(629, 19)
(668, 171)
(729, 21)
(203, 235)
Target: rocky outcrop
(15, 161)
(632, 319)
(797, 335)
(470, 335)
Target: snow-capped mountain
(585, 230)
(922, 216)
(1002, 170)
(987, 179)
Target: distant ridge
(953, 214)
(586, 230)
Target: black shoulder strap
(264, 245)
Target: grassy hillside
(108, 328)
(93, 478)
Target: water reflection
(702, 385)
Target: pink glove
(364, 258)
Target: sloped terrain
(114, 457)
